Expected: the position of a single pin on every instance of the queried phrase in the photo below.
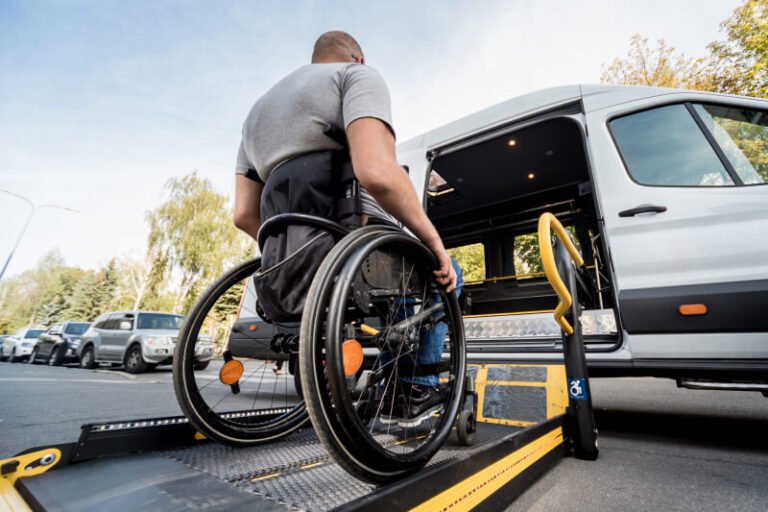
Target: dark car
(59, 344)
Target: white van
(666, 192)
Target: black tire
(347, 420)
(56, 357)
(274, 411)
(466, 427)
(297, 381)
(12, 356)
(87, 359)
(32, 356)
(201, 365)
(134, 361)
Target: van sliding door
(684, 194)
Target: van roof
(594, 97)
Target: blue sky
(102, 101)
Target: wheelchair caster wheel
(466, 426)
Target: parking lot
(661, 447)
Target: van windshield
(33, 333)
(159, 321)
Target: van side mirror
(125, 325)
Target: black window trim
(737, 181)
(707, 134)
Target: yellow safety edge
(29, 464)
(547, 221)
(555, 387)
(473, 490)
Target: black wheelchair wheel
(372, 303)
(227, 374)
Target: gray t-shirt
(291, 118)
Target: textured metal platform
(297, 472)
(599, 322)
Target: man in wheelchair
(320, 142)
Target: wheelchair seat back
(318, 185)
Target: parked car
(19, 345)
(59, 344)
(139, 340)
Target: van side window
(742, 134)
(527, 255)
(665, 147)
(471, 259)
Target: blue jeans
(432, 342)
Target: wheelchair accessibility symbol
(577, 389)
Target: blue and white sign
(577, 389)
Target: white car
(19, 345)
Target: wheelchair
(352, 356)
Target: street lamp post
(34, 209)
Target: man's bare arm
(372, 147)
(247, 214)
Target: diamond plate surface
(537, 325)
(297, 473)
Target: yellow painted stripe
(10, 499)
(510, 423)
(265, 477)
(516, 383)
(557, 391)
(472, 491)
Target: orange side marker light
(352, 353)
(231, 372)
(693, 309)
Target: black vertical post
(581, 419)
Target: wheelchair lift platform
(528, 416)
(163, 464)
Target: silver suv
(139, 340)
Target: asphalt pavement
(661, 448)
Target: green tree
(471, 259)
(741, 60)
(736, 65)
(57, 307)
(191, 240)
(659, 67)
(85, 299)
(24, 297)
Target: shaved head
(336, 46)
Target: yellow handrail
(547, 221)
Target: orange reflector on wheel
(352, 352)
(231, 372)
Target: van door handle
(643, 208)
